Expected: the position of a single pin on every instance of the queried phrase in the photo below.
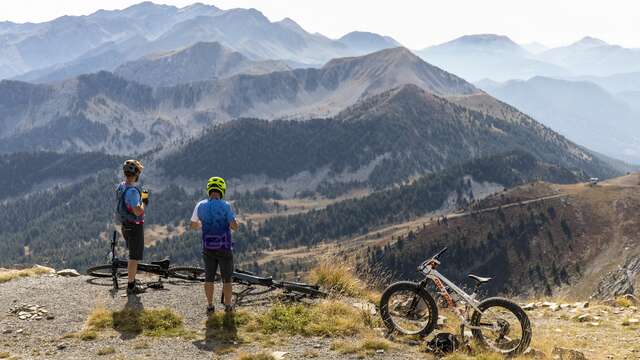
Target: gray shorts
(213, 259)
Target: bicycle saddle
(164, 263)
(479, 279)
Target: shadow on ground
(128, 320)
(221, 333)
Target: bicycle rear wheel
(501, 326)
(105, 271)
(406, 308)
(187, 273)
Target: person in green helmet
(216, 219)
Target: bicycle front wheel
(501, 326)
(187, 273)
(408, 309)
(105, 271)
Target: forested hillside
(399, 134)
(582, 235)
(354, 217)
(68, 226)
(65, 224)
(22, 172)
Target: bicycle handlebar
(436, 256)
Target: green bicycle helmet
(217, 183)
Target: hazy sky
(415, 23)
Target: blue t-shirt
(215, 216)
(132, 199)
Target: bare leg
(208, 291)
(132, 269)
(226, 289)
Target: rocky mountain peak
(396, 66)
(482, 43)
(290, 24)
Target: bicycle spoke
(501, 329)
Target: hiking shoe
(228, 309)
(135, 288)
(211, 309)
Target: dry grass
(88, 335)
(340, 279)
(337, 278)
(150, 322)
(106, 351)
(8, 275)
(258, 356)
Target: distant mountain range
(73, 45)
(496, 57)
(591, 56)
(580, 110)
(475, 57)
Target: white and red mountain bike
(496, 323)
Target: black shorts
(134, 236)
(213, 259)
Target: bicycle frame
(440, 281)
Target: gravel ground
(70, 300)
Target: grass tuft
(337, 278)
(623, 302)
(9, 275)
(328, 318)
(340, 279)
(150, 322)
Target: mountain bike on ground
(118, 268)
(496, 323)
(254, 285)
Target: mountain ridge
(95, 99)
(200, 62)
